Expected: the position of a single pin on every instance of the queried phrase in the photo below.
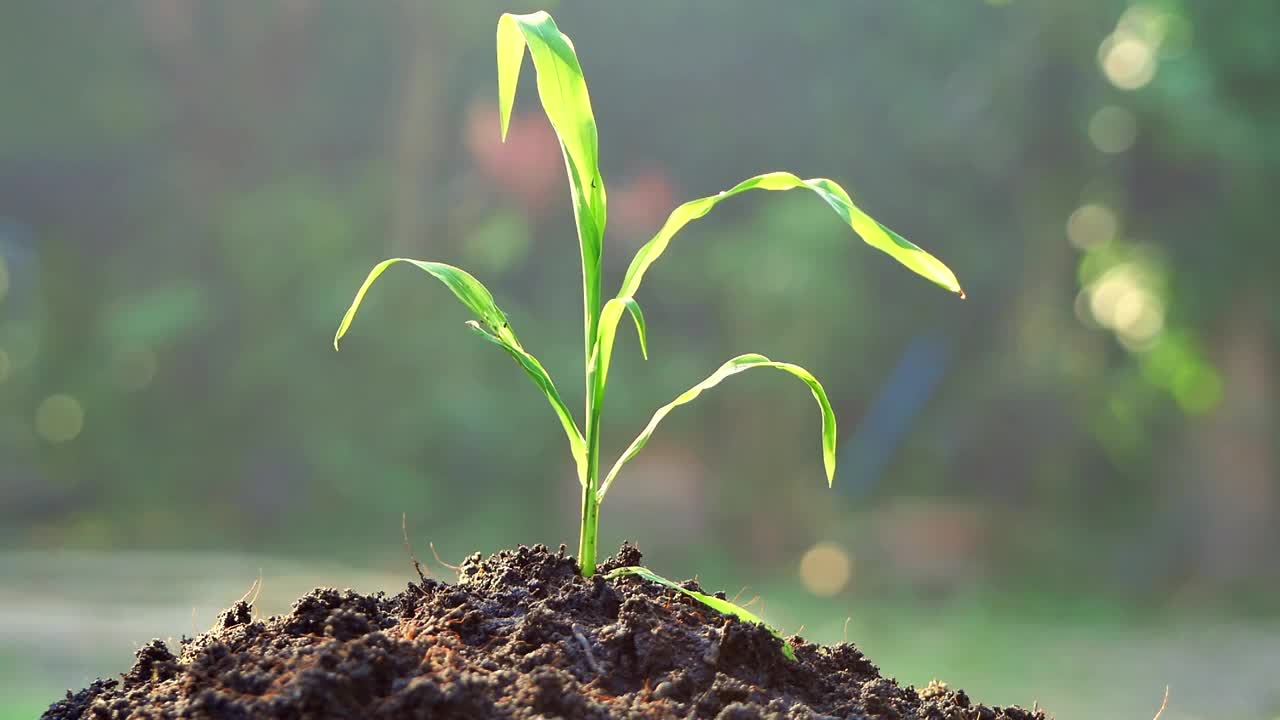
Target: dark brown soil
(521, 635)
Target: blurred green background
(1064, 489)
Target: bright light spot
(59, 419)
(1091, 225)
(1139, 320)
(1105, 294)
(1128, 61)
(1113, 129)
(4, 278)
(1123, 301)
(4, 366)
(135, 369)
(825, 569)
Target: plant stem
(588, 532)
(590, 501)
(590, 528)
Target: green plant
(563, 92)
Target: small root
(408, 549)
(455, 568)
(1163, 704)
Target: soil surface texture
(521, 635)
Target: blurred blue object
(884, 426)
(18, 276)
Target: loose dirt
(521, 635)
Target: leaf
(871, 231)
(609, 317)
(742, 363)
(469, 291)
(711, 601)
(491, 323)
(563, 92)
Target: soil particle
(521, 635)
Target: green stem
(588, 531)
(590, 527)
(590, 500)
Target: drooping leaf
(492, 324)
(742, 363)
(870, 230)
(602, 353)
(469, 291)
(711, 601)
(563, 92)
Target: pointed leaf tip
(734, 366)
(871, 231)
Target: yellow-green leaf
(711, 601)
(742, 363)
(563, 92)
(869, 229)
(492, 324)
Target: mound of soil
(521, 635)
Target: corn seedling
(562, 90)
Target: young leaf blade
(871, 231)
(562, 88)
(469, 291)
(739, 364)
(711, 601)
(602, 352)
(492, 324)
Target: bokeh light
(1091, 225)
(1127, 60)
(1124, 300)
(825, 569)
(59, 418)
(1113, 129)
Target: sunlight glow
(1127, 60)
(1124, 301)
(825, 569)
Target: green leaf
(602, 352)
(469, 291)
(563, 92)
(742, 363)
(872, 232)
(711, 601)
(492, 324)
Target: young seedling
(563, 92)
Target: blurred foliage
(188, 192)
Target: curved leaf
(742, 363)
(870, 230)
(492, 324)
(563, 92)
(602, 352)
(711, 601)
(469, 291)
